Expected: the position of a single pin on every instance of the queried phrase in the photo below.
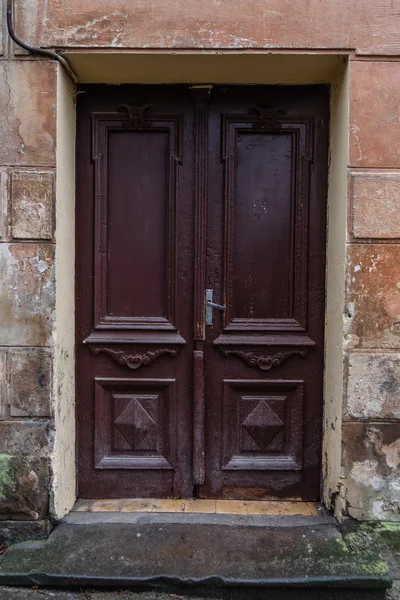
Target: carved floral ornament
(136, 115)
(134, 360)
(268, 116)
(263, 361)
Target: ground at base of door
(214, 556)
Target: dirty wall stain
(27, 298)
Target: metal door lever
(210, 305)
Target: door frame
(196, 68)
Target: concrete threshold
(209, 555)
(233, 520)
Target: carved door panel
(265, 262)
(181, 190)
(135, 218)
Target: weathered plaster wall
(36, 143)
(370, 26)
(27, 299)
(371, 429)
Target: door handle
(210, 305)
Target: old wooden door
(185, 196)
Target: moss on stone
(23, 485)
(377, 567)
(5, 473)
(342, 545)
(390, 527)
(389, 533)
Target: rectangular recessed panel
(263, 226)
(137, 182)
(265, 425)
(133, 428)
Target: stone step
(217, 556)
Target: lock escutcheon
(210, 305)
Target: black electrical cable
(34, 49)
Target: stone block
(28, 106)
(27, 295)
(3, 204)
(14, 532)
(24, 487)
(30, 382)
(372, 317)
(3, 383)
(24, 470)
(32, 194)
(371, 462)
(375, 114)
(375, 200)
(374, 385)
(24, 437)
(369, 26)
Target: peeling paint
(365, 473)
(372, 460)
(210, 24)
(373, 385)
(27, 299)
(28, 137)
(374, 296)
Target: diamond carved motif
(263, 424)
(135, 424)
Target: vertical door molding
(201, 97)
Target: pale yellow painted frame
(203, 67)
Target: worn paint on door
(183, 190)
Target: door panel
(139, 414)
(136, 166)
(138, 205)
(262, 431)
(264, 354)
(182, 190)
(135, 219)
(264, 173)
(264, 197)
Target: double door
(200, 290)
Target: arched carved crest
(134, 360)
(265, 362)
(136, 115)
(268, 116)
